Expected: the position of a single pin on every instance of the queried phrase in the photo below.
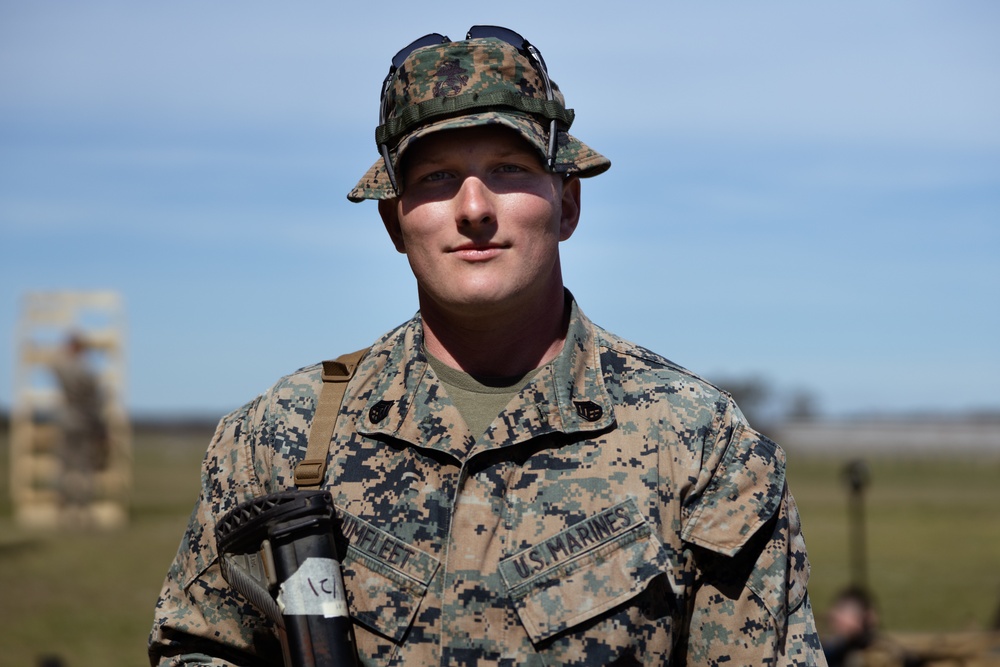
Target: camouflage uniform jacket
(619, 510)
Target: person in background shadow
(852, 621)
(83, 443)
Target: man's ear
(570, 207)
(389, 210)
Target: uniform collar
(408, 402)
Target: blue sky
(804, 192)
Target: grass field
(933, 538)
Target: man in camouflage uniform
(513, 484)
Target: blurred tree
(766, 407)
(752, 395)
(802, 406)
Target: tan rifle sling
(311, 470)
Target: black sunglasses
(475, 32)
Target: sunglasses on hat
(475, 32)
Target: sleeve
(199, 620)
(749, 604)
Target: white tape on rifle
(314, 590)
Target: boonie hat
(493, 77)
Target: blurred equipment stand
(51, 485)
(856, 476)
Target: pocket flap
(386, 579)
(583, 571)
(743, 494)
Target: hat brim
(573, 157)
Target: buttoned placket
(563, 399)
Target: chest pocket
(385, 578)
(583, 571)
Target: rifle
(278, 551)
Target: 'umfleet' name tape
(376, 543)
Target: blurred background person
(851, 623)
(83, 442)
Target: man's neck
(502, 344)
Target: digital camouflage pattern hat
(479, 81)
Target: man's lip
(477, 247)
(475, 252)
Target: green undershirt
(479, 399)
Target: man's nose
(475, 203)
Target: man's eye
(510, 169)
(435, 176)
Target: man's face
(480, 221)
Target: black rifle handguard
(278, 551)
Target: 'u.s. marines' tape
(587, 535)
